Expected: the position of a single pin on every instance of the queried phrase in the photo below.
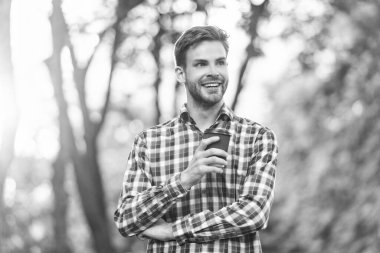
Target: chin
(212, 102)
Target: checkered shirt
(223, 212)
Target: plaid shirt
(223, 212)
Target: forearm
(240, 218)
(161, 231)
(138, 211)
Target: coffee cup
(224, 140)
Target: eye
(200, 64)
(221, 62)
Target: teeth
(209, 85)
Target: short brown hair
(194, 36)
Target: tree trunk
(239, 88)
(156, 55)
(91, 192)
(59, 165)
(86, 166)
(60, 204)
(8, 112)
(256, 13)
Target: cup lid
(216, 131)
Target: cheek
(195, 75)
(224, 72)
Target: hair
(193, 37)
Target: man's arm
(250, 213)
(141, 205)
(161, 231)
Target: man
(184, 197)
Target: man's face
(205, 74)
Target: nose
(213, 71)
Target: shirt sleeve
(141, 204)
(250, 212)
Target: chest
(172, 153)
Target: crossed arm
(141, 206)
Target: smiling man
(180, 195)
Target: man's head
(193, 36)
(201, 54)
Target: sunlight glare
(47, 142)
(30, 37)
(9, 193)
(37, 230)
(42, 195)
(3, 117)
(78, 12)
(122, 134)
(257, 2)
(357, 108)
(182, 6)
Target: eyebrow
(204, 60)
(200, 60)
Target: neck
(203, 115)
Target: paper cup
(223, 143)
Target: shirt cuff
(174, 188)
(182, 231)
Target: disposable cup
(224, 140)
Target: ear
(180, 74)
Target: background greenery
(79, 79)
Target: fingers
(215, 152)
(208, 141)
(215, 161)
(214, 169)
(210, 153)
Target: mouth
(211, 84)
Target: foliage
(328, 125)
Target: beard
(205, 93)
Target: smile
(211, 85)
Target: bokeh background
(80, 78)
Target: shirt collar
(225, 114)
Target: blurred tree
(84, 160)
(250, 23)
(168, 15)
(63, 157)
(8, 112)
(156, 49)
(328, 124)
(163, 22)
(201, 9)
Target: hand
(161, 231)
(203, 162)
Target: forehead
(206, 50)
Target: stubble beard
(204, 98)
